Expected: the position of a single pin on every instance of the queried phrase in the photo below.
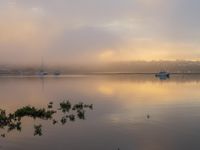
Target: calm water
(130, 112)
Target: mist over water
(79, 32)
(99, 74)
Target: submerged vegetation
(12, 121)
(38, 130)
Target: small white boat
(42, 73)
(163, 74)
(57, 73)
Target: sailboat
(42, 72)
(57, 73)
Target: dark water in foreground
(130, 112)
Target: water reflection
(164, 77)
(178, 78)
(12, 121)
(131, 112)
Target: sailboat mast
(42, 64)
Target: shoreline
(92, 74)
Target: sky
(95, 31)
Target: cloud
(92, 30)
(83, 43)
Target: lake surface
(130, 112)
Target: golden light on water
(148, 92)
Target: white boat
(42, 73)
(163, 74)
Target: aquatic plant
(13, 126)
(50, 105)
(71, 117)
(54, 121)
(63, 120)
(65, 106)
(3, 117)
(3, 135)
(34, 112)
(81, 114)
(12, 121)
(38, 130)
(89, 106)
(78, 106)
